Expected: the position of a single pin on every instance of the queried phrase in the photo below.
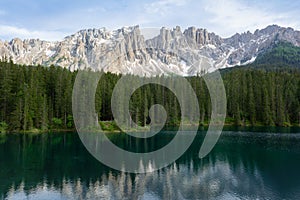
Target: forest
(40, 98)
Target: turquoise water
(245, 164)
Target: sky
(54, 19)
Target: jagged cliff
(171, 51)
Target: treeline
(259, 97)
(280, 53)
(37, 97)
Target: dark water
(243, 165)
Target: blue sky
(54, 19)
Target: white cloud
(163, 6)
(9, 32)
(225, 18)
(234, 16)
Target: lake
(245, 164)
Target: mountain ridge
(126, 51)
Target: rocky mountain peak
(202, 36)
(271, 29)
(125, 50)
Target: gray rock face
(202, 36)
(126, 51)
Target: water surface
(243, 165)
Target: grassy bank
(111, 127)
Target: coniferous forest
(37, 97)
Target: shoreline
(117, 130)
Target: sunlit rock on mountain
(126, 51)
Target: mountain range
(130, 50)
